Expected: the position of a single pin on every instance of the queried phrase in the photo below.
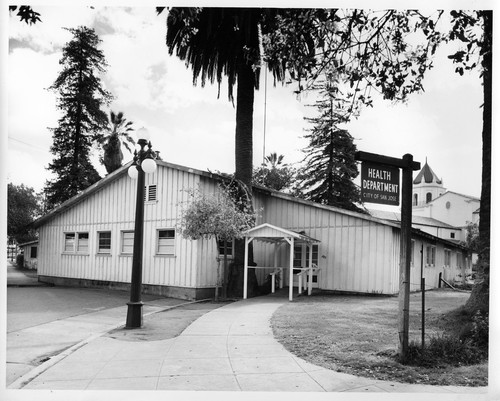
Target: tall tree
(24, 206)
(112, 140)
(217, 42)
(330, 165)
(474, 30)
(80, 97)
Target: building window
(127, 247)
(69, 242)
(82, 245)
(452, 235)
(104, 242)
(430, 255)
(428, 197)
(76, 242)
(33, 252)
(150, 193)
(229, 246)
(447, 257)
(166, 242)
(301, 255)
(415, 199)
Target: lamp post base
(134, 315)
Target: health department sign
(380, 184)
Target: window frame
(33, 250)
(430, 255)
(100, 250)
(220, 249)
(172, 245)
(122, 240)
(304, 255)
(77, 243)
(447, 257)
(66, 249)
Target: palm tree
(118, 134)
(218, 42)
(273, 160)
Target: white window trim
(99, 251)
(220, 255)
(121, 243)
(76, 242)
(304, 258)
(165, 255)
(447, 251)
(431, 247)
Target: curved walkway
(231, 348)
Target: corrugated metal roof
(393, 216)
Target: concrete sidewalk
(16, 277)
(231, 348)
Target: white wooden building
(87, 241)
(30, 253)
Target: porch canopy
(278, 236)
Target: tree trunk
(243, 173)
(479, 299)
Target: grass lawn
(359, 335)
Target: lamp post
(143, 163)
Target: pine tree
(330, 166)
(80, 97)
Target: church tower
(426, 186)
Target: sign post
(379, 185)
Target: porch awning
(268, 233)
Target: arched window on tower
(428, 197)
(415, 199)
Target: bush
(477, 330)
(20, 260)
(447, 350)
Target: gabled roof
(427, 175)
(269, 233)
(103, 183)
(421, 220)
(123, 170)
(473, 198)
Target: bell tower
(426, 186)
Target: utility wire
(28, 144)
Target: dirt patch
(359, 335)
(166, 324)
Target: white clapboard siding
(355, 254)
(112, 208)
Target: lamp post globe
(148, 166)
(132, 172)
(142, 134)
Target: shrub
(478, 330)
(446, 350)
(20, 260)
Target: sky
(191, 126)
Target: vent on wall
(150, 193)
